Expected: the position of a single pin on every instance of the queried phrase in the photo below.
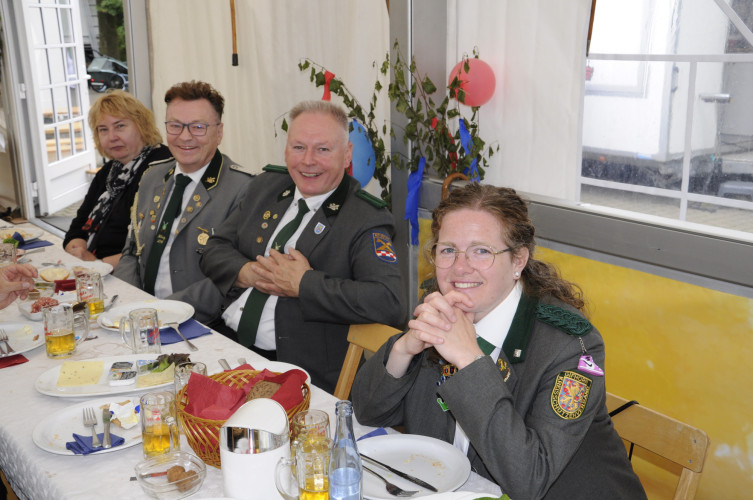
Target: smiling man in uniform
(307, 253)
(180, 203)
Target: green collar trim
(567, 321)
(334, 203)
(211, 175)
(275, 168)
(519, 335)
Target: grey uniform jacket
(517, 438)
(221, 190)
(355, 276)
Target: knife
(224, 364)
(410, 478)
(106, 420)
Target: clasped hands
(279, 274)
(443, 322)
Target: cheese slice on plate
(164, 377)
(77, 373)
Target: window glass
(666, 123)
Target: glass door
(58, 102)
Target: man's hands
(15, 282)
(279, 274)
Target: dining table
(38, 474)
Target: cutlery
(392, 489)
(150, 474)
(90, 420)
(242, 361)
(174, 326)
(56, 264)
(27, 252)
(106, 421)
(4, 338)
(224, 364)
(114, 298)
(410, 478)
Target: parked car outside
(107, 73)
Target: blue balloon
(364, 158)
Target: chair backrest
(370, 337)
(676, 441)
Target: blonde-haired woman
(125, 133)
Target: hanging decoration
(327, 79)
(477, 82)
(411, 201)
(364, 159)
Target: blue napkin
(376, 432)
(189, 328)
(82, 445)
(32, 244)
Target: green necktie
(249, 322)
(486, 347)
(160, 239)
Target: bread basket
(203, 434)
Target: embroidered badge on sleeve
(570, 394)
(383, 248)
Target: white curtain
(191, 40)
(537, 51)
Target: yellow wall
(681, 349)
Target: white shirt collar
(194, 176)
(494, 326)
(313, 202)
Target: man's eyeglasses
(195, 129)
(479, 257)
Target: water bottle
(345, 472)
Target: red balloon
(478, 83)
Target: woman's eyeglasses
(479, 257)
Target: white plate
(55, 430)
(19, 340)
(26, 233)
(96, 266)
(47, 383)
(438, 463)
(168, 311)
(63, 298)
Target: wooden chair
(370, 337)
(666, 437)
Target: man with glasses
(307, 253)
(179, 203)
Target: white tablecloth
(35, 474)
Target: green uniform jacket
(221, 190)
(517, 438)
(355, 276)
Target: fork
(392, 489)
(90, 420)
(174, 326)
(4, 338)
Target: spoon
(224, 364)
(174, 326)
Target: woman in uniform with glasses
(500, 361)
(125, 132)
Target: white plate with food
(23, 337)
(32, 309)
(53, 273)
(27, 234)
(168, 311)
(436, 462)
(56, 429)
(75, 379)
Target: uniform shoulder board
(160, 162)
(238, 168)
(567, 321)
(371, 199)
(275, 168)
